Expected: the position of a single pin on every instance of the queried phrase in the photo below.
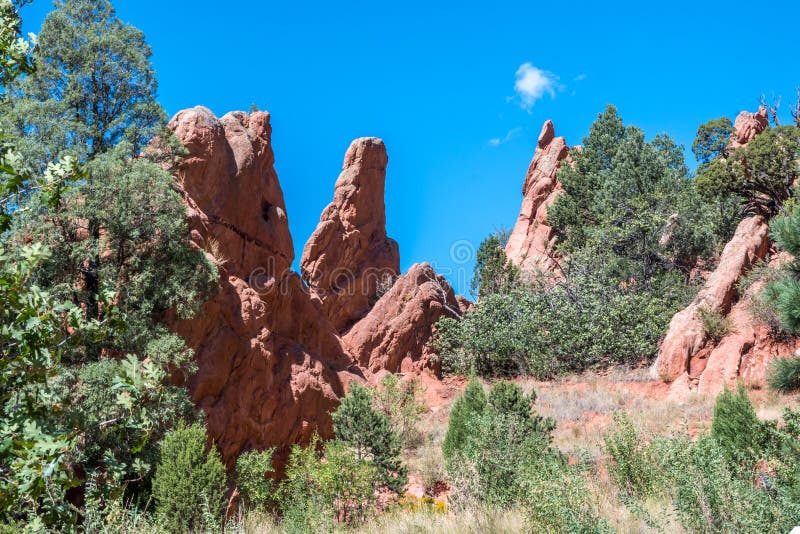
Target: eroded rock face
(349, 256)
(686, 336)
(748, 126)
(687, 358)
(532, 241)
(394, 335)
(270, 365)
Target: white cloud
(533, 83)
(580, 77)
(512, 133)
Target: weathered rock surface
(531, 242)
(271, 359)
(270, 366)
(748, 126)
(686, 336)
(349, 256)
(690, 360)
(394, 335)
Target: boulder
(748, 126)
(531, 243)
(349, 258)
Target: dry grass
(474, 520)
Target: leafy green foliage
(93, 87)
(321, 486)
(398, 400)
(189, 479)
(712, 140)
(467, 407)
(369, 432)
(783, 293)
(632, 459)
(493, 273)
(715, 325)
(784, 375)
(762, 172)
(736, 427)
(487, 448)
(255, 489)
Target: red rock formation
(685, 336)
(270, 367)
(394, 335)
(748, 126)
(531, 242)
(687, 358)
(349, 256)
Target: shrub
(736, 427)
(189, 484)
(467, 407)
(784, 375)
(360, 425)
(632, 465)
(398, 401)
(715, 325)
(324, 486)
(256, 490)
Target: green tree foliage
(93, 88)
(90, 394)
(736, 427)
(255, 489)
(325, 485)
(369, 432)
(398, 400)
(784, 375)
(493, 273)
(783, 294)
(761, 173)
(488, 449)
(189, 480)
(712, 140)
(466, 408)
(631, 225)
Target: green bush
(466, 408)
(323, 486)
(736, 428)
(398, 400)
(784, 375)
(632, 467)
(189, 485)
(715, 325)
(255, 489)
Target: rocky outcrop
(394, 335)
(686, 336)
(531, 242)
(271, 359)
(748, 125)
(349, 257)
(687, 357)
(270, 366)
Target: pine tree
(712, 140)
(369, 432)
(466, 408)
(493, 273)
(784, 294)
(93, 88)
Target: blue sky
(438, 82)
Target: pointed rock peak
(348, 257)
(547, 134)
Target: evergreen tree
(93, 88)
(467, 406)
(369, 432)
(190, 481)
(736, 427)
(493, 273)
(783, 294)
(712, 140)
